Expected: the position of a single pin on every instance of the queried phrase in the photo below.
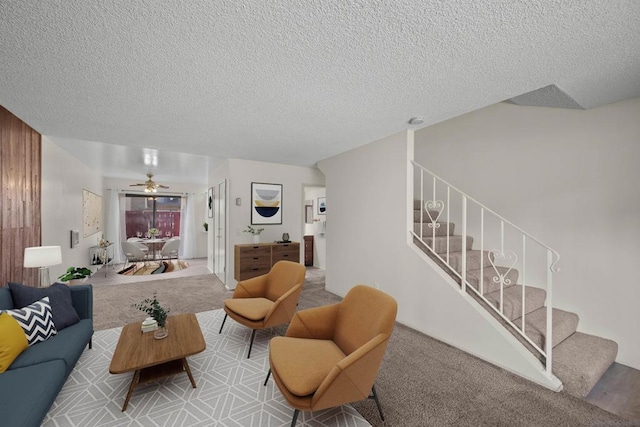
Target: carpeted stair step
(474, 258)
(581, 360)
(418, 206)
(425, 217)
(512, 300)
(488, 284)
(564, 325)
(427, 231)
(439, 244)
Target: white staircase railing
(504, 246)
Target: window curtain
(187, 228)
(113, 224)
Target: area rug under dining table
(230, 390)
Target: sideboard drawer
(286, 251)
(256, 260)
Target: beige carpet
(422, 382)
(113, 304)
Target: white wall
(63, 179)
(198, 192)
(367, 242)
(240, 174)
(570, 178)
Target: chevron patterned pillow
(36, 320)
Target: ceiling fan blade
(161, 186)
(136, 185)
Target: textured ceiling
(298, 81)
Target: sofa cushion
(59, 297)
(6, 302)
(27, 394)
(36, 321)
(13, 341)
(67, 346)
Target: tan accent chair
(268, 300)
(331, 355)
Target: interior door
(220, 230)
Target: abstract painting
(91, 213)
(266, 203)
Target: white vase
(256, 238)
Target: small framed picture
(266, 203)
(210, 202)
(322, 205)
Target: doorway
(220, 231)
(314, 220)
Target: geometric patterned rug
(230, 390)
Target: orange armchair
(268, 300)
(331, 355)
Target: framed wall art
(266, 203)
(322, 205)
(91, 213)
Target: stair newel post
(448, 219)
(524, 276)
(433, 223)
(501, 277)
(549, 338)
(464, 244)
(482, 250)
(421, 202)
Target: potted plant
(153, 232)
(255, 232)
(75, 275)
(153, 308)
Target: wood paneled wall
(20, 161)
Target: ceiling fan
(150, 185)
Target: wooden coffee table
(151, 359)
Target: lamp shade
(42, 256)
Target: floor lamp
(43, 257)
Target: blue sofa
(34, 379)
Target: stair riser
(428, 231)
(488, 284)
(564, 325)
(439, 244)
(473, 260)
(425, 217)
(512, 300)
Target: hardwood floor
(618, 391)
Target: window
(144, 212)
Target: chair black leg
(90, 343)
(223, 320)
(295, 417)
(253, 335)
(268, 375)
(374, 396)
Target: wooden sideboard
(256, 259)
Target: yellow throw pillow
(13, 341)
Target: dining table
(155, 244)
